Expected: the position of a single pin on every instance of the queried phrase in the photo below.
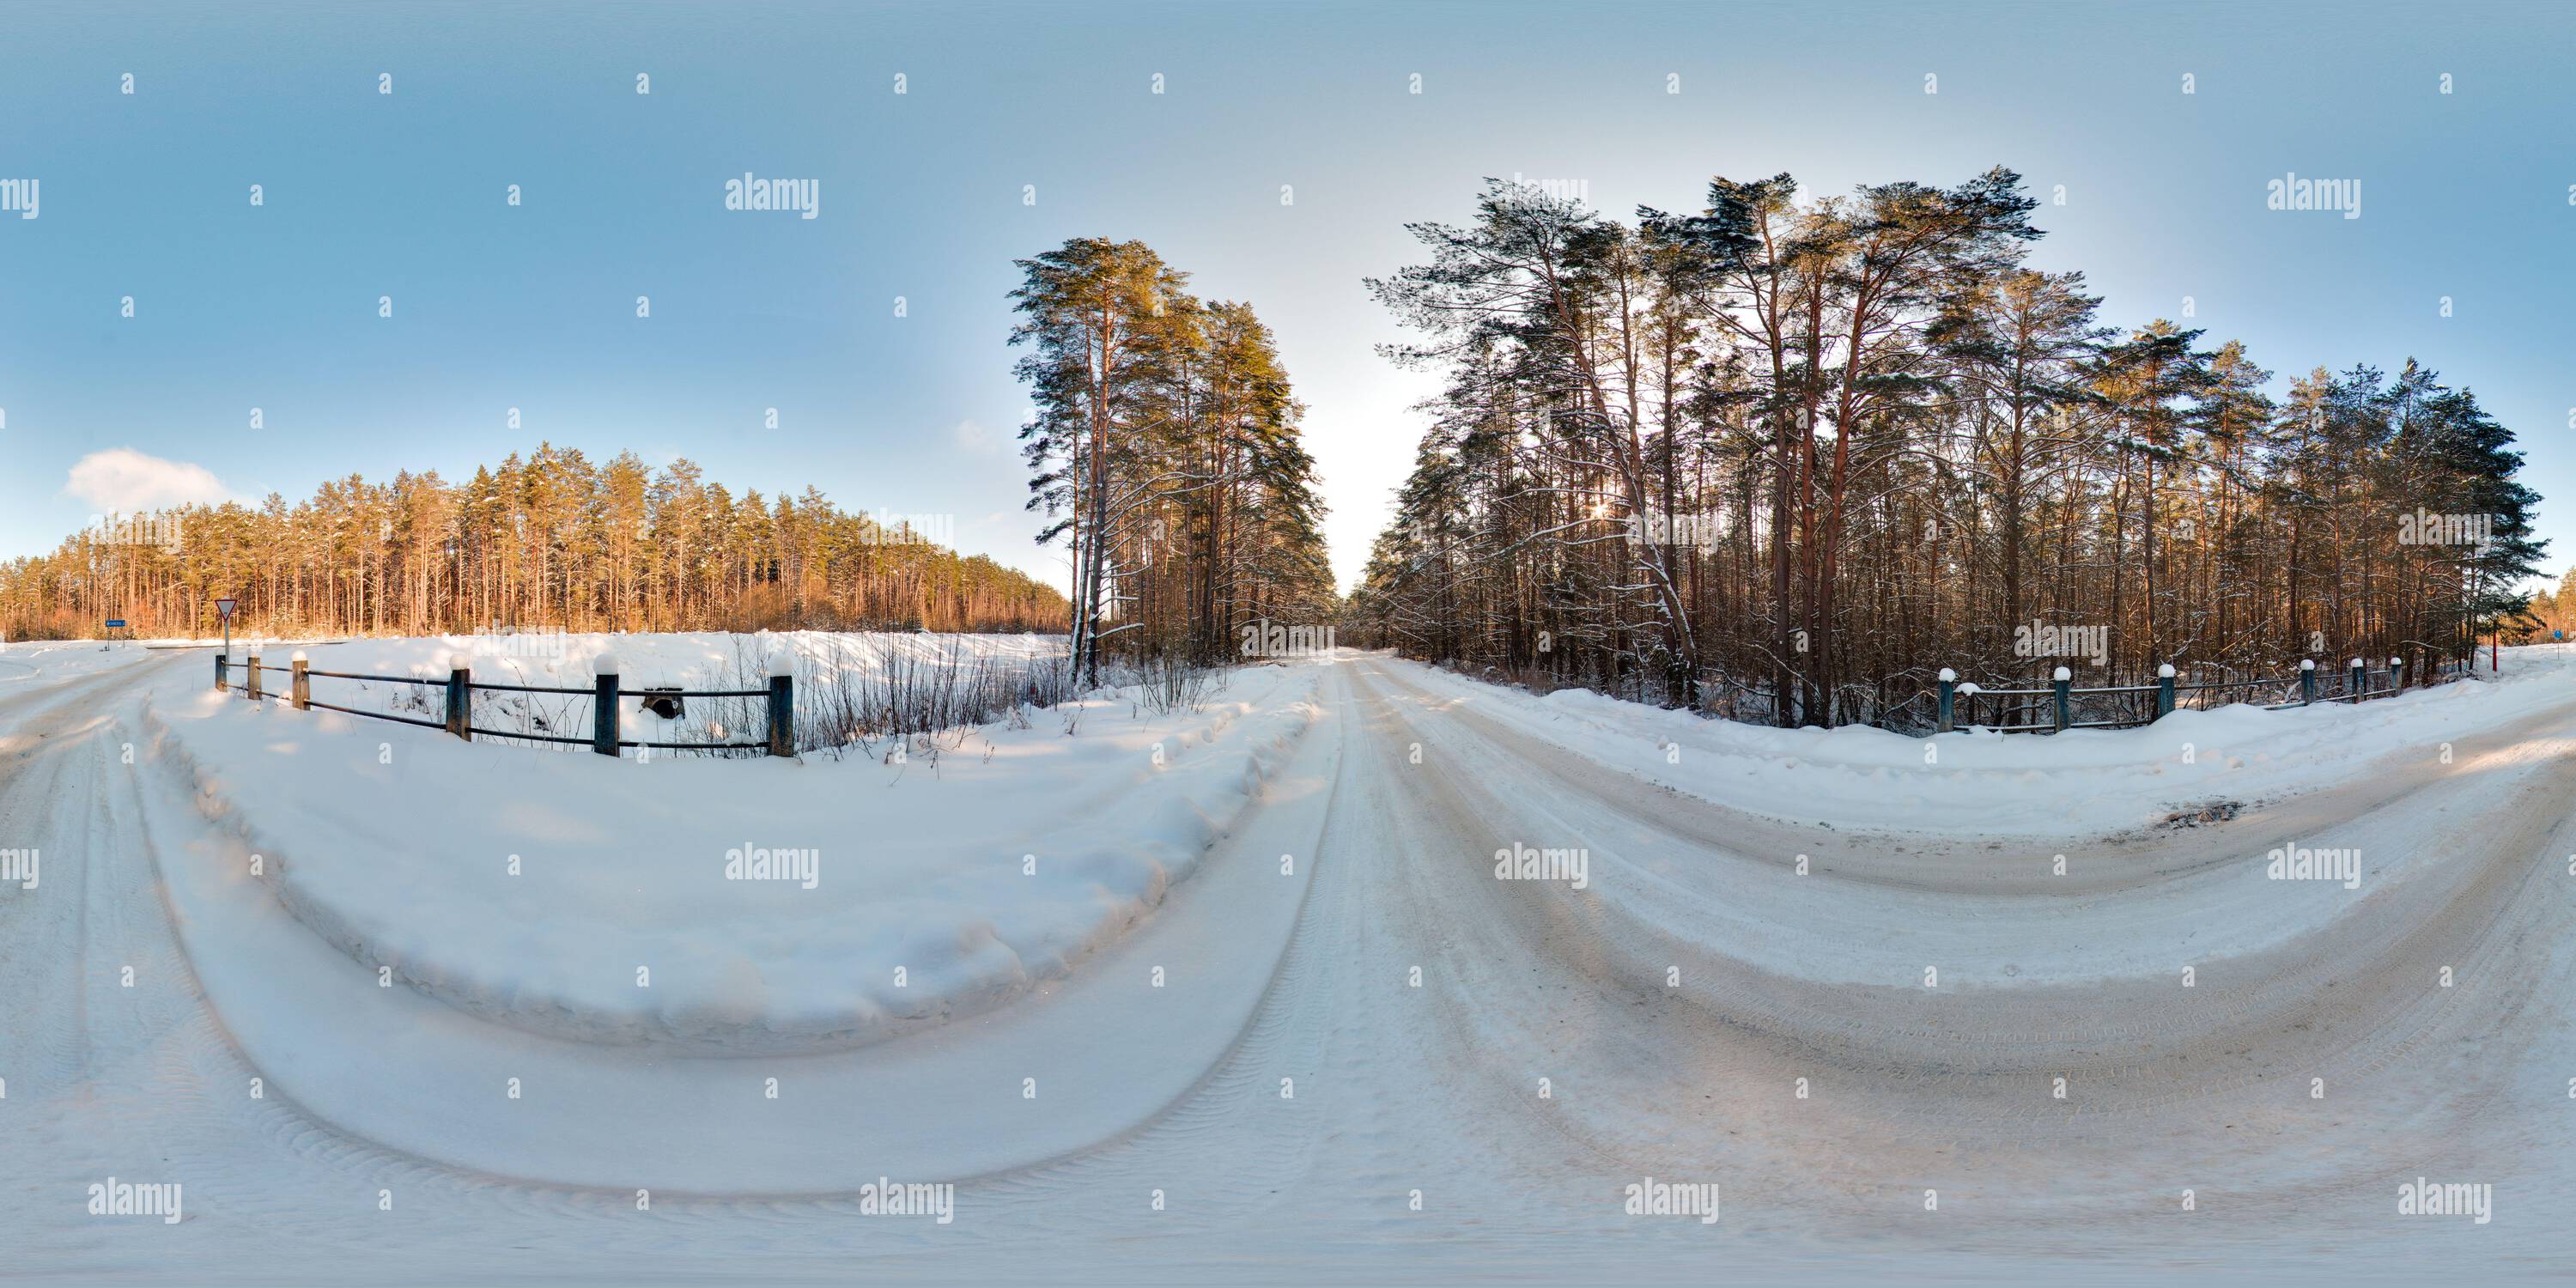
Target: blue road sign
(115, 622)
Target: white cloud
(122, 480)
(975, 440)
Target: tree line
(2552, 615)
(1165, 447)
(1787, 458)
(549, 541)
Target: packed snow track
(2129, 1053)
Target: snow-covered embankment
(722, 906)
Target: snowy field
(1341, 969)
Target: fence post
(2396, 675)
(603, 704)
(2360, 680)
(460, 697)
(2063, 680)
(222, 664)
(2164, 690)
(1949, 689)
(250, 676)
(1968, 694)
(303, 683)
(2307, 680)
(782, 705)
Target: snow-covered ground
(28, 666)
(766, 906)
(1982, 783)
(2002, 1018)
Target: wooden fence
(606, 723)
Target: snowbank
(1987, 784)
(2409, 812)
(1139, 1026)
(704, 905)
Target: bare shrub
(1169, 682)
(868, 689)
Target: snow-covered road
(1421, 1072)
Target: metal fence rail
(606, 715)
(2054, 709)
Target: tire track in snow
(2388, 1010)
(1433, 1088)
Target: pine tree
(1816, 451)
(1165, 446)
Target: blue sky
(2470, 195)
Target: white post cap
(781, 663)
(1970, 688)
(1947, 675)
(2307, 664)
(2394, 660)
(2356, 662)
(2063, 674)
(457, 662)
(2165, 671)
(299, 655)
(604, 664)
